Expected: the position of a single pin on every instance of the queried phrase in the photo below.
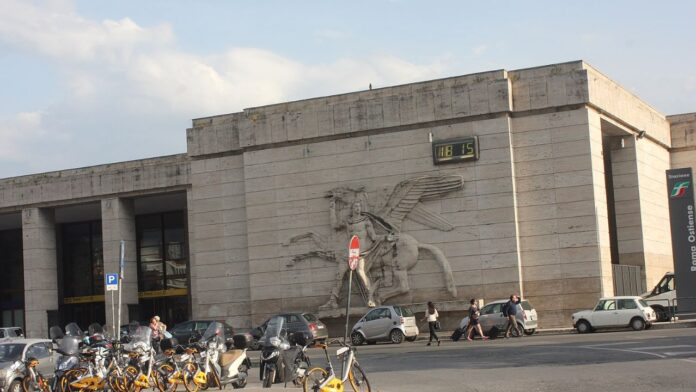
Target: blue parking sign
(111, 281)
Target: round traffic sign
(354, 252)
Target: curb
(445, 335)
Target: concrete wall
(683, 130)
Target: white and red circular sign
(354, 252)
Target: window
(492, 309)
(292, 318)
(526, 305)
(202, 325)
(403, 311)
(162, 251)
(373, 315)
(666, 285)
(12, 287)
(82, 259)
(11, 352)
(606, 304)
(627, 304)
(643, 303)
(38, 351)
(310, 317)
(181, 328)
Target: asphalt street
(651, 360)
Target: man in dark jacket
(510, 311)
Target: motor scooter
(283, 357)
(219, 364)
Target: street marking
(610, 344)
(624, 350)
(675, 353)
(664, 347)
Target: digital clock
(456, 150)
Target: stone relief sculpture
(386, 252)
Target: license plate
(320, 327)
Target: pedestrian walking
(510, 311)
(474, 314)
(431, 315)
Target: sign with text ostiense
(682, 215)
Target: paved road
(662, 360)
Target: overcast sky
(93, 81)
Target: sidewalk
(445, 335)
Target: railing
(671, 308)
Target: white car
(614, 312)
(493, 322)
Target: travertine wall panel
(556, 211)
(218, 240)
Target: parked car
(297, 322)
(493, 322)
(20, 350)
(194, 329)
(611, 312)
(385, 323)
(11, 332)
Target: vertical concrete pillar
(118, 223)
(40, 269)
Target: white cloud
(117, 71)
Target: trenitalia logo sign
(679, 189)
(682, 216)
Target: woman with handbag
(431, 315)
(474, 321)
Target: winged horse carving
(389, 248)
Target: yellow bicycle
(325, 380)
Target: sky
(89, 82)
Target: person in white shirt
(431, 315)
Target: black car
(298, 322)
(194, 329)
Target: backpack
(506, 309)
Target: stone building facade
(569, 181)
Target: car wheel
(15, 386)
(492, 333)
(638, 324)
(583, 326)
(660, 312)
(411, 338)
(357, 338)
(396, 336)
(529, 332)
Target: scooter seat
(230, 356)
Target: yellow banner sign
(83, 300)
(162, 293)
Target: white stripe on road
(675, 353)
(664, 347)
(610, 344)
(624, 350)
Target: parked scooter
(220, 366)
(282, 361)
(67, 364)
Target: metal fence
(628, 280)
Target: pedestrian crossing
(685, 352)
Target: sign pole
(120, 286)
(113, 313)
(353, 259)
(350, 285)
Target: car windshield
(526, 305)
(403, 311)
(643, 303)
(11, 352)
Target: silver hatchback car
(13, 350)
(493, 322)
(385, 323)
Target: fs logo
(679, 189)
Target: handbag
(437, 325)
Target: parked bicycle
(325, 379)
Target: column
(118, 223)
(40, 269)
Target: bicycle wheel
(117, 380)
(70, 377)
(28, 385)
(162, 375)
(313, 379)
(358, 379)
(131, 374)
(189, 369)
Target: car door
(492, 316)
(369, 326)
(41, 352)
(383, 324)
(605, 314)
(627, 309)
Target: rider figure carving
(360, 225)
